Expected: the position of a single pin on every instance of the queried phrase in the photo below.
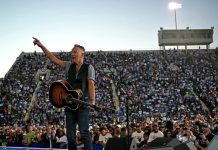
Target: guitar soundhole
(75, 94)
(61, 94)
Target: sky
(95, 24)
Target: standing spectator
(123, 132)
(207, 132)
(48, 139)
(79, 141)
(155, 133)
(117, 132)
(30, 136)
(168, 134)
(104, 136)
(201, 142)
(19, 137)
(186, 135)
(144, 143)
(61, 139)
(138, 134)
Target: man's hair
(79, 46)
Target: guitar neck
(80, 102)
(75, 100)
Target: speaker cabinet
(120, 144)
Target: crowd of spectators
(154, 87)
(198, 132)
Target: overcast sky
(96, 24)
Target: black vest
(79, 79)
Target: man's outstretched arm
(50, 55)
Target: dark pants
(80, 117)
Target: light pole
(174, 6)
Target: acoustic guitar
(61, 94)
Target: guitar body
(61, 93)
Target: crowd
(158, 86)
(198, 131)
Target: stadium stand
(180, 86)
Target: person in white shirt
(138, 135)
(104, 136)
(62, 139)
(155, 133)
(186, 136)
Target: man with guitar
(79, 76)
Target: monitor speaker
(160, 141)
(173, 142)
(182, 146)
(120, 144)
(159, 148)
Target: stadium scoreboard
(184, 37)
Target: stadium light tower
(174, 6)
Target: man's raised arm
(50, 55)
